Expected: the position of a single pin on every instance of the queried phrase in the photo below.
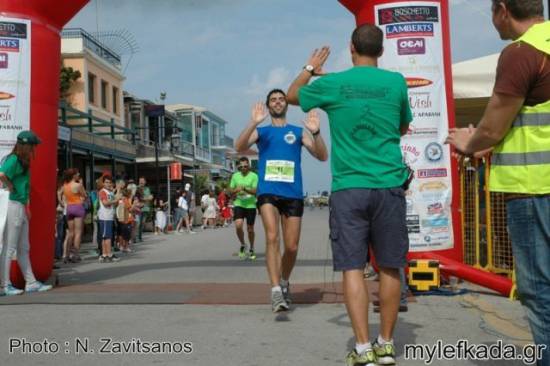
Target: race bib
(279, 171)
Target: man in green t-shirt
(243, 187)
(147, 199)
(368, 111)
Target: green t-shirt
(15, 172)
(250, 181)
(366, 107)
(147, 205)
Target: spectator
(160, 216)
(147, 200)
(15, 176)
(106, 216)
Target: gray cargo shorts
(363, 217)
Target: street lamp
(160, 122)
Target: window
(215, 136)
(91, 88)
(104, 86)
(115, 100)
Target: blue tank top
(280, 161)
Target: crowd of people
(120, 211)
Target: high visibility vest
(520, 163)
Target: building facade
(95, 138)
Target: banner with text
(413, 46)
(15, 80)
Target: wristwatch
(316, 132)
(309, 68)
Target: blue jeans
(60, 239)
(529, 229)
(178, 215)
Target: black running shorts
(240, 213)
(286, 206)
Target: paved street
(191, 288)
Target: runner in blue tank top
(280, 191)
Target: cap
(28, 137)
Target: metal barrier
(486, 243)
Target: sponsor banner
(9, 45)
(411, 46)
(406, 14)
(414, 47)
(15, 72)
(431, 173)
(18, 28)
(4, 57)
(409, 30)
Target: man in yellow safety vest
(516, 123)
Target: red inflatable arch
(47, 19)
(451, 260)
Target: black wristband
(316, 132)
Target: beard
(275, 114)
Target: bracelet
(316, 132)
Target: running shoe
(366, 358)
(9, 290)
(385, 353)
(113, 258)
(38, 287)
(278, 302)
(102, 259)
(242, 253)
(252, 255)
(286, 292)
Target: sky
(227, 54)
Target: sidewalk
(179, 288)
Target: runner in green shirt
(243, 187)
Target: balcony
(186, 149)
(222, 143)
(80, 40)
(97, 135)
(202, 154)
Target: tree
(67, 77)
(222, 184)
(201, 185)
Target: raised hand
(312, 122)
(318, 59)
(259, 113)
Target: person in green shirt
(243, 187)
(147, 199)
(15, 176)
(368, 111)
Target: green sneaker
(251, 255)
(242, 253)
(385, 353)
(367, 358)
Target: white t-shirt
(204, 200)
(182, 203)
(106, 213)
